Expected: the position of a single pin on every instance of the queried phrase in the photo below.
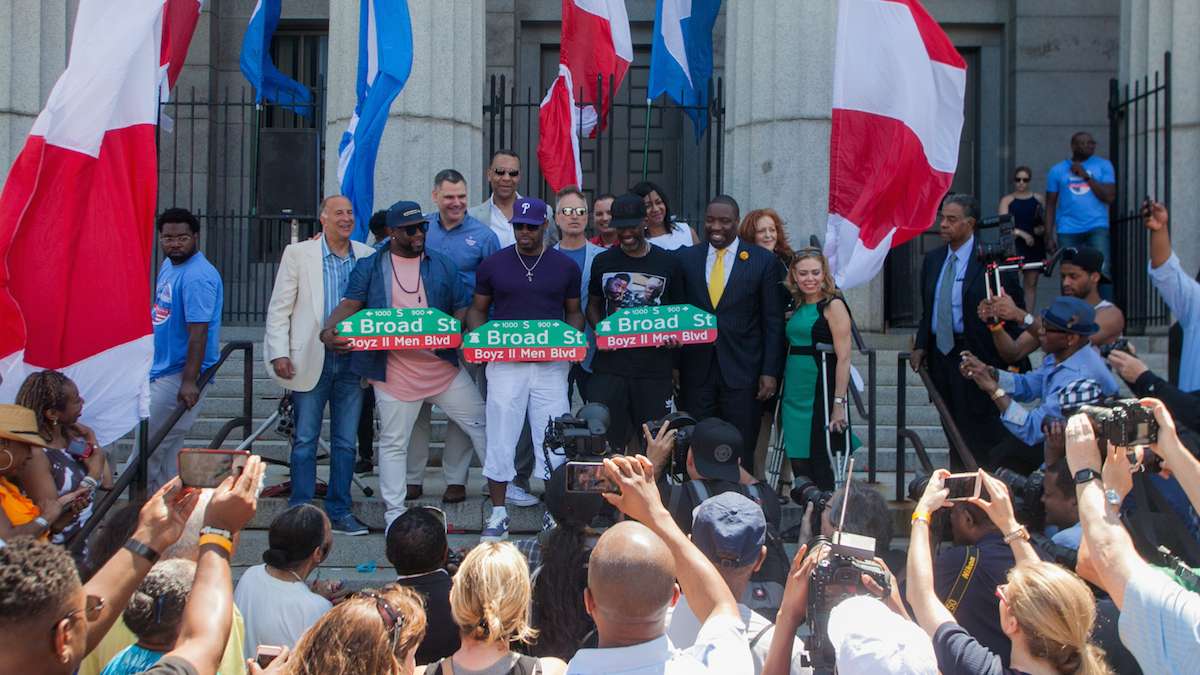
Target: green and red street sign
(415, 328)
(656, 326)
(520, 340)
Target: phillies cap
(867, 637)
(628, 210)
(729, 529)
(529, 210)
(716, 447)
(405, 213)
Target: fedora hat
(18, 423)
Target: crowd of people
(1074, 554)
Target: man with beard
(187, 334)
(636, 384)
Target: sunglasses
(512, 173)
(573, 211)
(437, 513)
(530, 227)
(393, 621)
(1018, 179)
(412, 230)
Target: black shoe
(364, 467)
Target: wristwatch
(1086, 475)
(1028, 320)
(1112, 497)
(998, 394)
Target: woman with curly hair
(764, 228)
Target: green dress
(803, 407)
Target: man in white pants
(525, 281)
(187, 328)
(407, 275)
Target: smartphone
(80, 448)
(266, 654)
(207, 468)
(588, 477)
(962, 486)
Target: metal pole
(901, 421)
(646, 143)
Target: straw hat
(18, 423)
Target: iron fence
(1139, 126)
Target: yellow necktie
(716, 280)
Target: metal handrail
(137, 470)
(953, 435)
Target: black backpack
(765, 592)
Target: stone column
(779, 88)
(33, 53)
(437, 120)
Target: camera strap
(962, 580)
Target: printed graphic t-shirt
(622, 281)
(413, 374)
(1079, 209)
(187, 293)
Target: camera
(1005, 248)
(808, 493)
(1123, 422)
(837, 577)
(583, 434)
(1026, 494)
(1063, 555)
(683, 424)
(1120, 344)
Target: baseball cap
(1086, 258)
(716, 447)
(405, 213)
(868, 637)
(529, 210)
(1079, 392)
(1072, 315)
(729, 529)
(628, 210)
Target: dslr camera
(1123, 422)
(1026, 494)
(683, 424)
(582, 435)
(837, 577)
(1118, 345)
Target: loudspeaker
(288, 172)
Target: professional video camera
(1002, 256)
(1026, 494)
(683, 424)
(1123, 422)
(582, 435)
(837, 577)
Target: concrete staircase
(224, 401)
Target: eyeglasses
(411, 230)
(172, 238)
(573, 211)
(1019, 179)
(437, 513)
(93, 605)
(512, 173)
(393, 621)
(530, 227)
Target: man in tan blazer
(311, 280)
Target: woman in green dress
(821, 317)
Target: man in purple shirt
(530, 281)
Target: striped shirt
(335, 273)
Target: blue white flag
(681, 58)
(269, 84)
(385, 55)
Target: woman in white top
(275, 599)
(661, 230)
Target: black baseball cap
(716, 447)
(1085, 258)
(628, 210)
(405, 213)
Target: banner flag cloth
(269, 84)
(681, 56)
(385, 57)
(898, 91)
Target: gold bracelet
(217, 540)
(920, 517)
(1019, 533)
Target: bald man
(632, 577)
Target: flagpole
(646, 143)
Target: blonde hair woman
(490, 604)
(821, 317)
(1046, 611)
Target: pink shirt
(413, 374)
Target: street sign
(415, 328)
(654, 326)
(519, 340)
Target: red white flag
(596, 46)
(898, 90)
(77, 221)
(179, 24)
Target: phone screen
(588, 477)
(266, 654)
(961, 486)
(78, 448)
(207, 468)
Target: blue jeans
(1099, 240)
(341, 389)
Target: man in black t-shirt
(636, 384)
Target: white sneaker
(496, 527)
(513, 494)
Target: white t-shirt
(276, 612)
(683, 627)
(720, 649)
(679, 237)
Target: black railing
(134, 476)
(1139, 136)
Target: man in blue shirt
(187, 332)
(1079, 191)
(1066, 326)
(1178, 289)
(466, 241)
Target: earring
(11, 460)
